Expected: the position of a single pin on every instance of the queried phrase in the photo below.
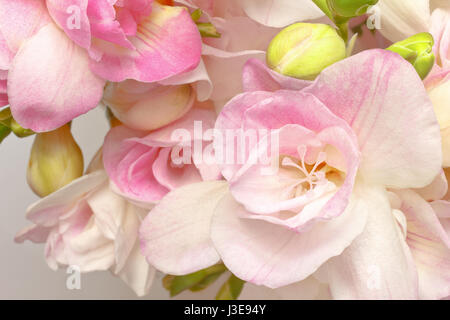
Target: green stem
(322, 4)
(343, 30)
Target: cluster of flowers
(351, 201)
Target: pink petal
(47, 211)
(71, 16)
(103, 23)
(378, 264)
(172, 177)
(440, 29)
(258, 77)
(54, 74)
(267, 254)
(129, 156)
(175, 236)
(19, 20)
(3, 94)
(429, 244)
(167, 43)
(380, 95)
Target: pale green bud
(418, 50)
(303, 50)
(350, 8)
(55, 161)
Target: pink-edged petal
(167, 43)
(173, 177)
(199, 79)
(436, 190)
(264, 253)
(440, 29)
(72, 17)
(380, 94)
(145, 106)
(258, 77)
(105, 26)
(175, 236)
(378, 264)
(48, 210)
(50, 83)
(429, 244)
(34, 233)
(280, 13)
(19, 20)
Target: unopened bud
(55, 161)
(144, 106)
(350, 8)
(418, 50)
(303, 50)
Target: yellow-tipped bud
(55, 161)
(303, 50)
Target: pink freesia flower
(141, 165)
(438, 81)
(61, 52)
(343, 141)
(86, 225)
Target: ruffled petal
(175, 236)
(380, 95)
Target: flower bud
(55, 161)
(303, 50)
(350, 8)
(145, 106)
(418, 50)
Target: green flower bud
(418, 50)
(303, 50)
(350, 8)
(55, 161)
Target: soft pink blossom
(141, 165)
(88, 226)
(61, 52)
(343, 141)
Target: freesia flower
(401, 19)
(61, 52)
(144, 166)
(343, 141)
(87, 225)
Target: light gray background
(24, 273)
